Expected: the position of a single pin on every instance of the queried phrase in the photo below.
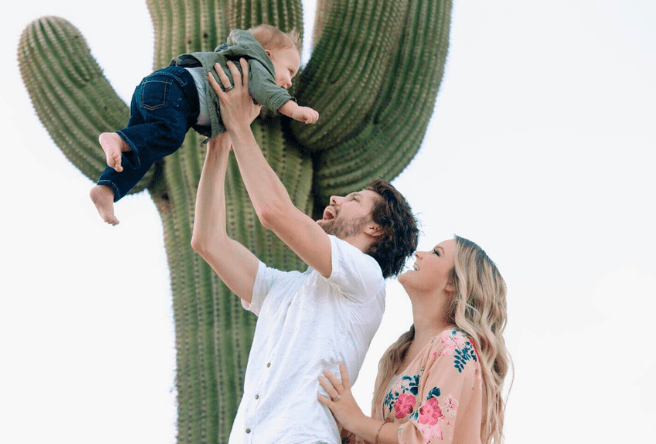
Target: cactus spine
(374, 75)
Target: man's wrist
(241, 135)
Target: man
(310, 321)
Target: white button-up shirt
(306, 323)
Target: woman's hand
(342, 403)
(235, 102)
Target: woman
(442, 380)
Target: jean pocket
(153, 94)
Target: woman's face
(431, 269)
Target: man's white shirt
(306, 323)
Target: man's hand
(236, 104)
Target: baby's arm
(300, 113)
(266, 92)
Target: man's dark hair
(401, 234)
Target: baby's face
(286, 62)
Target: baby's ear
(268, 52)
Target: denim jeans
(164, 106)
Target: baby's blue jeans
(164, 106)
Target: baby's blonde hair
(272, 38)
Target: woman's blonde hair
(272, 38)
(478, 308)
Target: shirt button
(257, 396)
(248, 430)
(268, 364)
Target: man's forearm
(268, 195)
(234, 263)
(209, 218)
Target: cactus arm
(286, 15)
(348, 68)
(322, 9)
(69, 92)
(393, 133)
(386, 132)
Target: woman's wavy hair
(478, 308)
(400, 236)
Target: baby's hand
(300, 113)
(305, 114)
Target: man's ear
(374, 230)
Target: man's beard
(343, 228)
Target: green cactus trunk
(374, 75)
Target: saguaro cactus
(374, 75)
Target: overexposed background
(541, 149)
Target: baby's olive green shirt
(261, 75)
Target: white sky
(540, 149)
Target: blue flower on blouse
(463, 355)
(412, 384)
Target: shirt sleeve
(448, 394)
(357, 275)
(263, 87)
(264, 280)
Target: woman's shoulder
(454, 343)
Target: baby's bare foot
(103, 197)
(113, 145)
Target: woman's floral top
(438, 396)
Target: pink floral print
(428, 432)
(450, 405)
(430, 412)
(418, 398)
(403, 405)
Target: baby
(173, 99)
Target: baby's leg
(103, 197)
(113, 145)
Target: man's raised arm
(234, 263)
(272, 203)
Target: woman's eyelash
(437, 253)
